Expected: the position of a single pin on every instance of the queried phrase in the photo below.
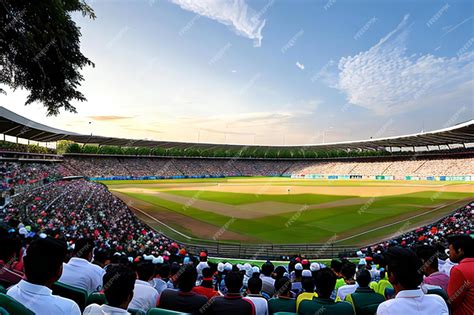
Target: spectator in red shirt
(206, 288)
(183, 299)
(232, 303)
(9, 253)
(461, 281)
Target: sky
(274, 72)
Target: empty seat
(78, 295)
(12, 306)
(162, 311)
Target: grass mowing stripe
(244, 198)
(242, 226)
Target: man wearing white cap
(248, 273)
(227, 268)
(314, 268)
(220, 267)
(307, 284)
(296, 286)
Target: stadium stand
(171, 167)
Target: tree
(40, 51)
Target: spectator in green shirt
(308, 288)
(364, 300)
(323, 304)
(282, 302)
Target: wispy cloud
(109, 118)
(226, 132)
(244, 20)
(450, 28)
(144, 130)
(242, 119)
(386, 80)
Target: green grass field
(260, 210)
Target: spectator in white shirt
(119, 282)
(79, 272)
(348, 272)
(254, 287)
(160, 282)
(405, 274)
(447, 266)
(202, 264)
(144, 295)
(268, 283)
(43, 266)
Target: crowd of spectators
(420, 167)
(79, 208)
(20, 176)
(169, 167)
(398, 280)
(458, 222)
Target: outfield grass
(318, 225)
(242, 198)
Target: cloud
(236, 14)
(109, 117)
(450, 28)
(385, 80)
(225, 132)
(144, 130)
(242, 120)
(300, 65)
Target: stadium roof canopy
(14, 125)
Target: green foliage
(40, 51)
(17, 147)
(89, 149)
(74, 148)
(62, 145)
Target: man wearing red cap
(206, 288)
(202, 264)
